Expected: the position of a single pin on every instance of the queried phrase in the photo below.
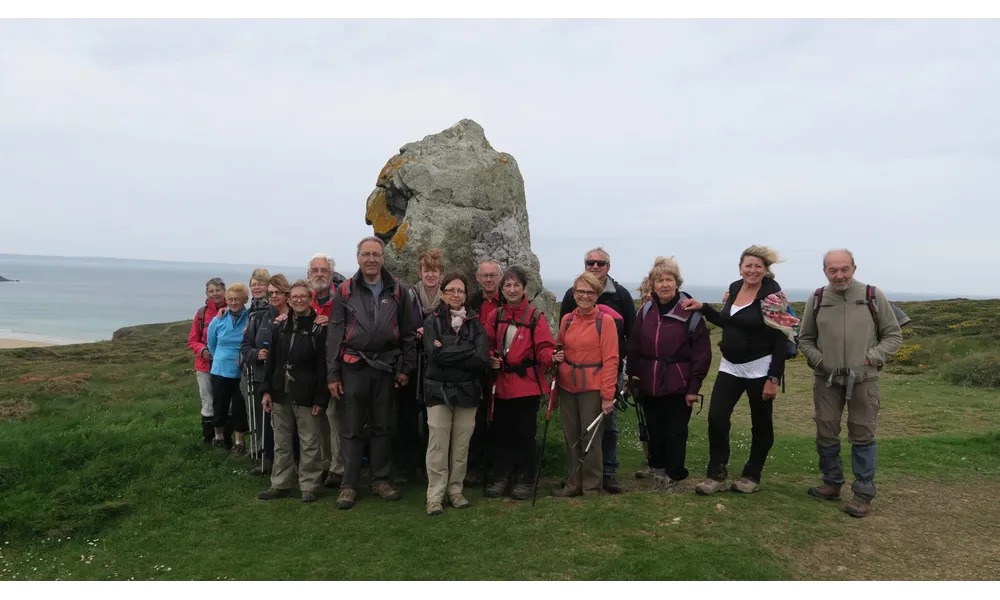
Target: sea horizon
(68, 300)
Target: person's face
(370, 259)
(598, 264)
(278, 298)
(216, 294)
(585, 297)
(488, 277)
(454, 294)
(300, 298)
(431, 278)
(513, 291)
(665, 288)
(319, 274)
(752, 270)
(258, 289)
(839, 270)
(235, 302)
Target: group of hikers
(326, 374)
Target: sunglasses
(599, 263)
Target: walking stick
(583, 455)
(545, 433)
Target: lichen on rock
(453, 191)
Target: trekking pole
(489, 441)
(545, 433)
(583, 455)
(251, 412)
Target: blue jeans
(609, 444)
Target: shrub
(976, 370)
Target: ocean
(74, 300)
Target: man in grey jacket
(847, 332)
(371, 348)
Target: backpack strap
(200, 319)
(817, 300)
(873, 309)
(645, 308)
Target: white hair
(488, 261)
(326, 257)
(598, 250)
(844, 250)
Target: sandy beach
(7, 343)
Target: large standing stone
(453, 191)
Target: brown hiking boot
(458, 501)
(858, 507)
(434, 509)
(710, 486)
(240, 450)
(273, 494)
(347, 498)
(308, 497)
(385, 491)
(827, 491)
(644, 472)
(745, 485)
(565, 492)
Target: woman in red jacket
(215, 298)
(521, 347)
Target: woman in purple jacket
(669, 355)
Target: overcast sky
(253, 142)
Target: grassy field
(103, 476)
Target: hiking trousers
(577, 411)
(726, 392)
(228, 400)
(515, 423)
(330, 454)
(667, 419)
(367, 399)
(205, 392)
(449, 433)
(292, 421)
(862, 420)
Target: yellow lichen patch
(402, 237)
(378, 214)
(390, 167)
(503, 159)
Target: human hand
(206, 354)
(692, 305)
(336, 389)
(495, 362)
(558, 357)
(322, 320)
(316, 410)
(690, 399)
(420, 332)
(770, 390)
(265, 401)
(262, 354)
(402, 380)
(607, 406)
(437, 343)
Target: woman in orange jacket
(587, 376)
(521, 347)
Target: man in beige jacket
(847, 332)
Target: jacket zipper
(656, 350)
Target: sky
(258, 141)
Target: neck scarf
(457, 318)
(427, 304)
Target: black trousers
(479, 444)
(667, 419)
(408, 444)
(515, 423)
(367, 399)
(226, 397)
(725, 394)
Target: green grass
(104, 477)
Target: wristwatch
(774, 380)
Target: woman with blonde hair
(755, 326)
(224, 337)
(587, 359)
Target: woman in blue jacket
(224, 338)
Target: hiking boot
(522, 491)
(385, 491)
(662, 482)
(471, 478)
(434, 509)
(565, 492)
(611, 485)
(333, 481)
(240, 450)
(858, 507)
(219, 443)
(827, 491)
(308, 497)
(644, 472)
(498, 488)
(207, 429)
(458, 501)
(273, 494)
(745, 485)
(347, 498)
(710, 486)
(265, 470)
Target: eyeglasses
(275, 293)
(489, 275)
(585, 293)
(300, 298)
(453, 291)
(370, 255)
(599, 263)
(319, 270)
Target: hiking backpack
(603, 309)
(692, 322)
(345, 292)
(869, 300)
(533, 315)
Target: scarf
(428, 305)
(775, 310)
(257, 304)
(457, 319)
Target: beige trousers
(330, 456)
(205, 391)
(285, 418)
(449, 432)
(577, 411)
